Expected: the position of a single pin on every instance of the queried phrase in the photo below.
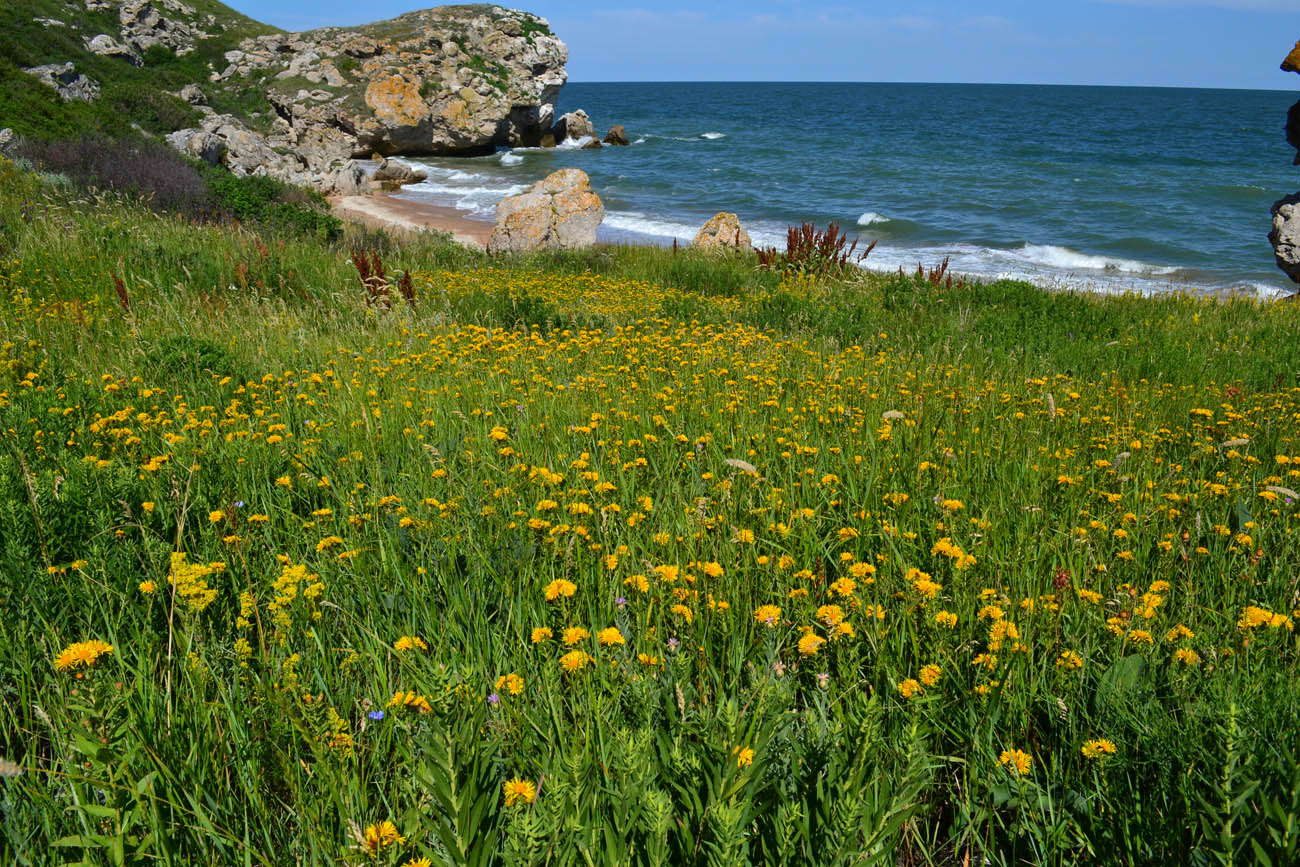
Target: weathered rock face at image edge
(1284, 234)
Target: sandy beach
(382, 211)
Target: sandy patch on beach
(386, 212)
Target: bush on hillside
(173, 184)
(167, 180)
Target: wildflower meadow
(630, 557)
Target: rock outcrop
(723, 232)
(574, 125)
(64, 78)
(7, 141)
(143, 26)
(617, 136)
(107, 46)
(559, 212)
(1284, 234)
(449, 80)
(225, 140)
(392, 174)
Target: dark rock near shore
(1293, 131)
(617, 136)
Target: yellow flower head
(541, 633)
(1099, 748)
(81, 653)
(574, 634)
(768, 615)
(1018, 762)
(810, 644)
(518, 790)
(610, 636)
(380, 836)
(560, 588)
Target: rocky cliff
(449, 80)
(1285, 232)
(309, 107)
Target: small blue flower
(494, 699)
(376, 714)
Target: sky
(1174, 43)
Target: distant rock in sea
(617, 136)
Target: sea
(1110, 189)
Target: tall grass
(896, 572)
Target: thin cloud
(1235, 5)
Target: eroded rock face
(448, 80)
(1285, 236)
(64, 78)
(144, 26)
(617, 136)
(559, 212)
(723, 232)
(227, 141)
(109, 47)
(1285, 232)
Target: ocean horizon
(1108, 188)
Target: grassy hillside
(628, 557)
(131, 95)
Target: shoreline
(385, 211)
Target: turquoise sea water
(1108, 188)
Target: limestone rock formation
(225, 140)
(1285, 232)
(574, 125)
(7, 139)
(107, 46)
(1285, 236)
(64, 78)
(617, 136)
(143, 26)
(448, 80)
(192, 94)
(392, 174)
(559, 212)
(723, 232)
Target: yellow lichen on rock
(1292, 62)
(396, 101)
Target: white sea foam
(475, 192)
(711, 136)
(637, 223)
(871, 218)
(573, 144)
(1065, 259)
(641, 140)
(510, 158)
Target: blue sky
(1182, 43)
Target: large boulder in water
(559, 212)
(617, 136)
(1285, 236)
(574, 125)
(723, 232)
